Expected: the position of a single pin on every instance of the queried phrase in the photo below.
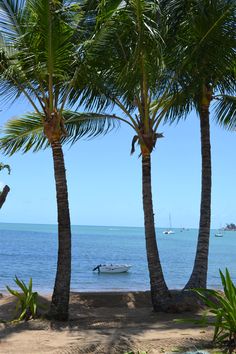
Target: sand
(102, 323)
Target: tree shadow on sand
(118, 323)
(111, 323)
(8, 313)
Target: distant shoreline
(12, 225)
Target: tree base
(60, 317)
(58, 312)
(179, 301)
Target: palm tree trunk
(60, 299)
(198, 277)
(3, 195)
(157, 282)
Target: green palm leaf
(226, 111)
(12, 17)
(196, 31)
(2, 166)
(127, 46)
(223, 306)
(26, 133)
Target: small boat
(169, 231)
(219, 234)
(112, 268)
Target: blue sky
(105, 181)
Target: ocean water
(29, 250)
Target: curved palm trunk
(198, 277)
(157, 281)
(3, 195)
(60, 299)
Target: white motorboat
(168, 232)
(112, 268)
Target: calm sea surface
(29, 250)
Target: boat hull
(168, 232)
(113, 269)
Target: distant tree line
(230, 227)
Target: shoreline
(48, 292)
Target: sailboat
(169, 231)
(219, 233)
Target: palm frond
(196, 31)
(45, 38)
(127, 46)
(88, 124)
(3, 166)
(12, 18)
(225, 108)
(26, 133)
(174, 106)
(201, 29)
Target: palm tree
(40, 62)
(201, 51)
(126, 56)
(124, 59)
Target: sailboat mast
(170, 221)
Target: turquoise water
(29, 250)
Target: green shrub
(27, 302)
(223, 307)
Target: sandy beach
(102, 323)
